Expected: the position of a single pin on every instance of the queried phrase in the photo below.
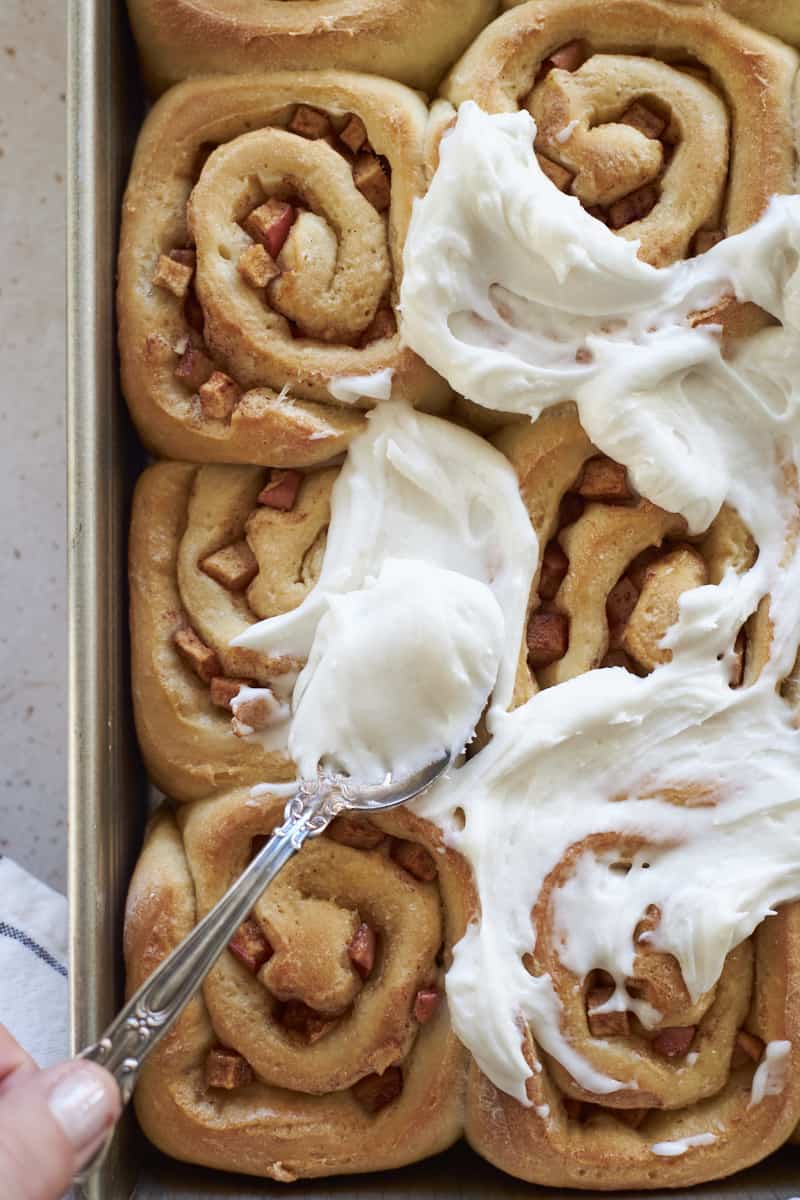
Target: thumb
(51, 1122)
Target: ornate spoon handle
(152, 1010)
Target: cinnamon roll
(212, 550)
(320, 1043)
(704, 1092)
(613, 566)
(259, 264)
(413, 41)
(672, 123)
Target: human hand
(51, 1122)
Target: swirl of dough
(257, 296)
(612, 566)
(335, 266)
(321, 1041)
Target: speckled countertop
(32, 453)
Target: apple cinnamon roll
(320, 1043)
(705, 1091)
(673, 124)
(214, 549)
(413, 41)
(613, 566)
(259, 265)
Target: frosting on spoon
(433, 637)
(521, 300)
(420, 603)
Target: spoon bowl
(390, 793)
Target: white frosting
(349, 389)
(770, 1076)
(420, 603)
(506, 280)
(681, 1145)
(273, 736)
(432, 638)
(565, 134)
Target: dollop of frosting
(522, 300)
(419, 609)
(434, 637)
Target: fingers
(13, 1059)
(50, 1124)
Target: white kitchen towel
(33, 957)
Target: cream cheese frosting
(437, 637)
(349, 389)
(770, 1075)
(678, 1146)
(420, 603)
(521, 300)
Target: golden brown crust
(275, 350)
(181, 515)
(780, 18)
(683, 116)
(306, 1127)
(413, 41)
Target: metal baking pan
(108, 792)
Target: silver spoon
(152, 1011)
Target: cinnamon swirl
(613, 566)
(413, 41)
(259, 265)
(703, 1093)
(581, 948)
(321, 1042)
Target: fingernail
(81, 1105)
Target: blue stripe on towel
(17, 935)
